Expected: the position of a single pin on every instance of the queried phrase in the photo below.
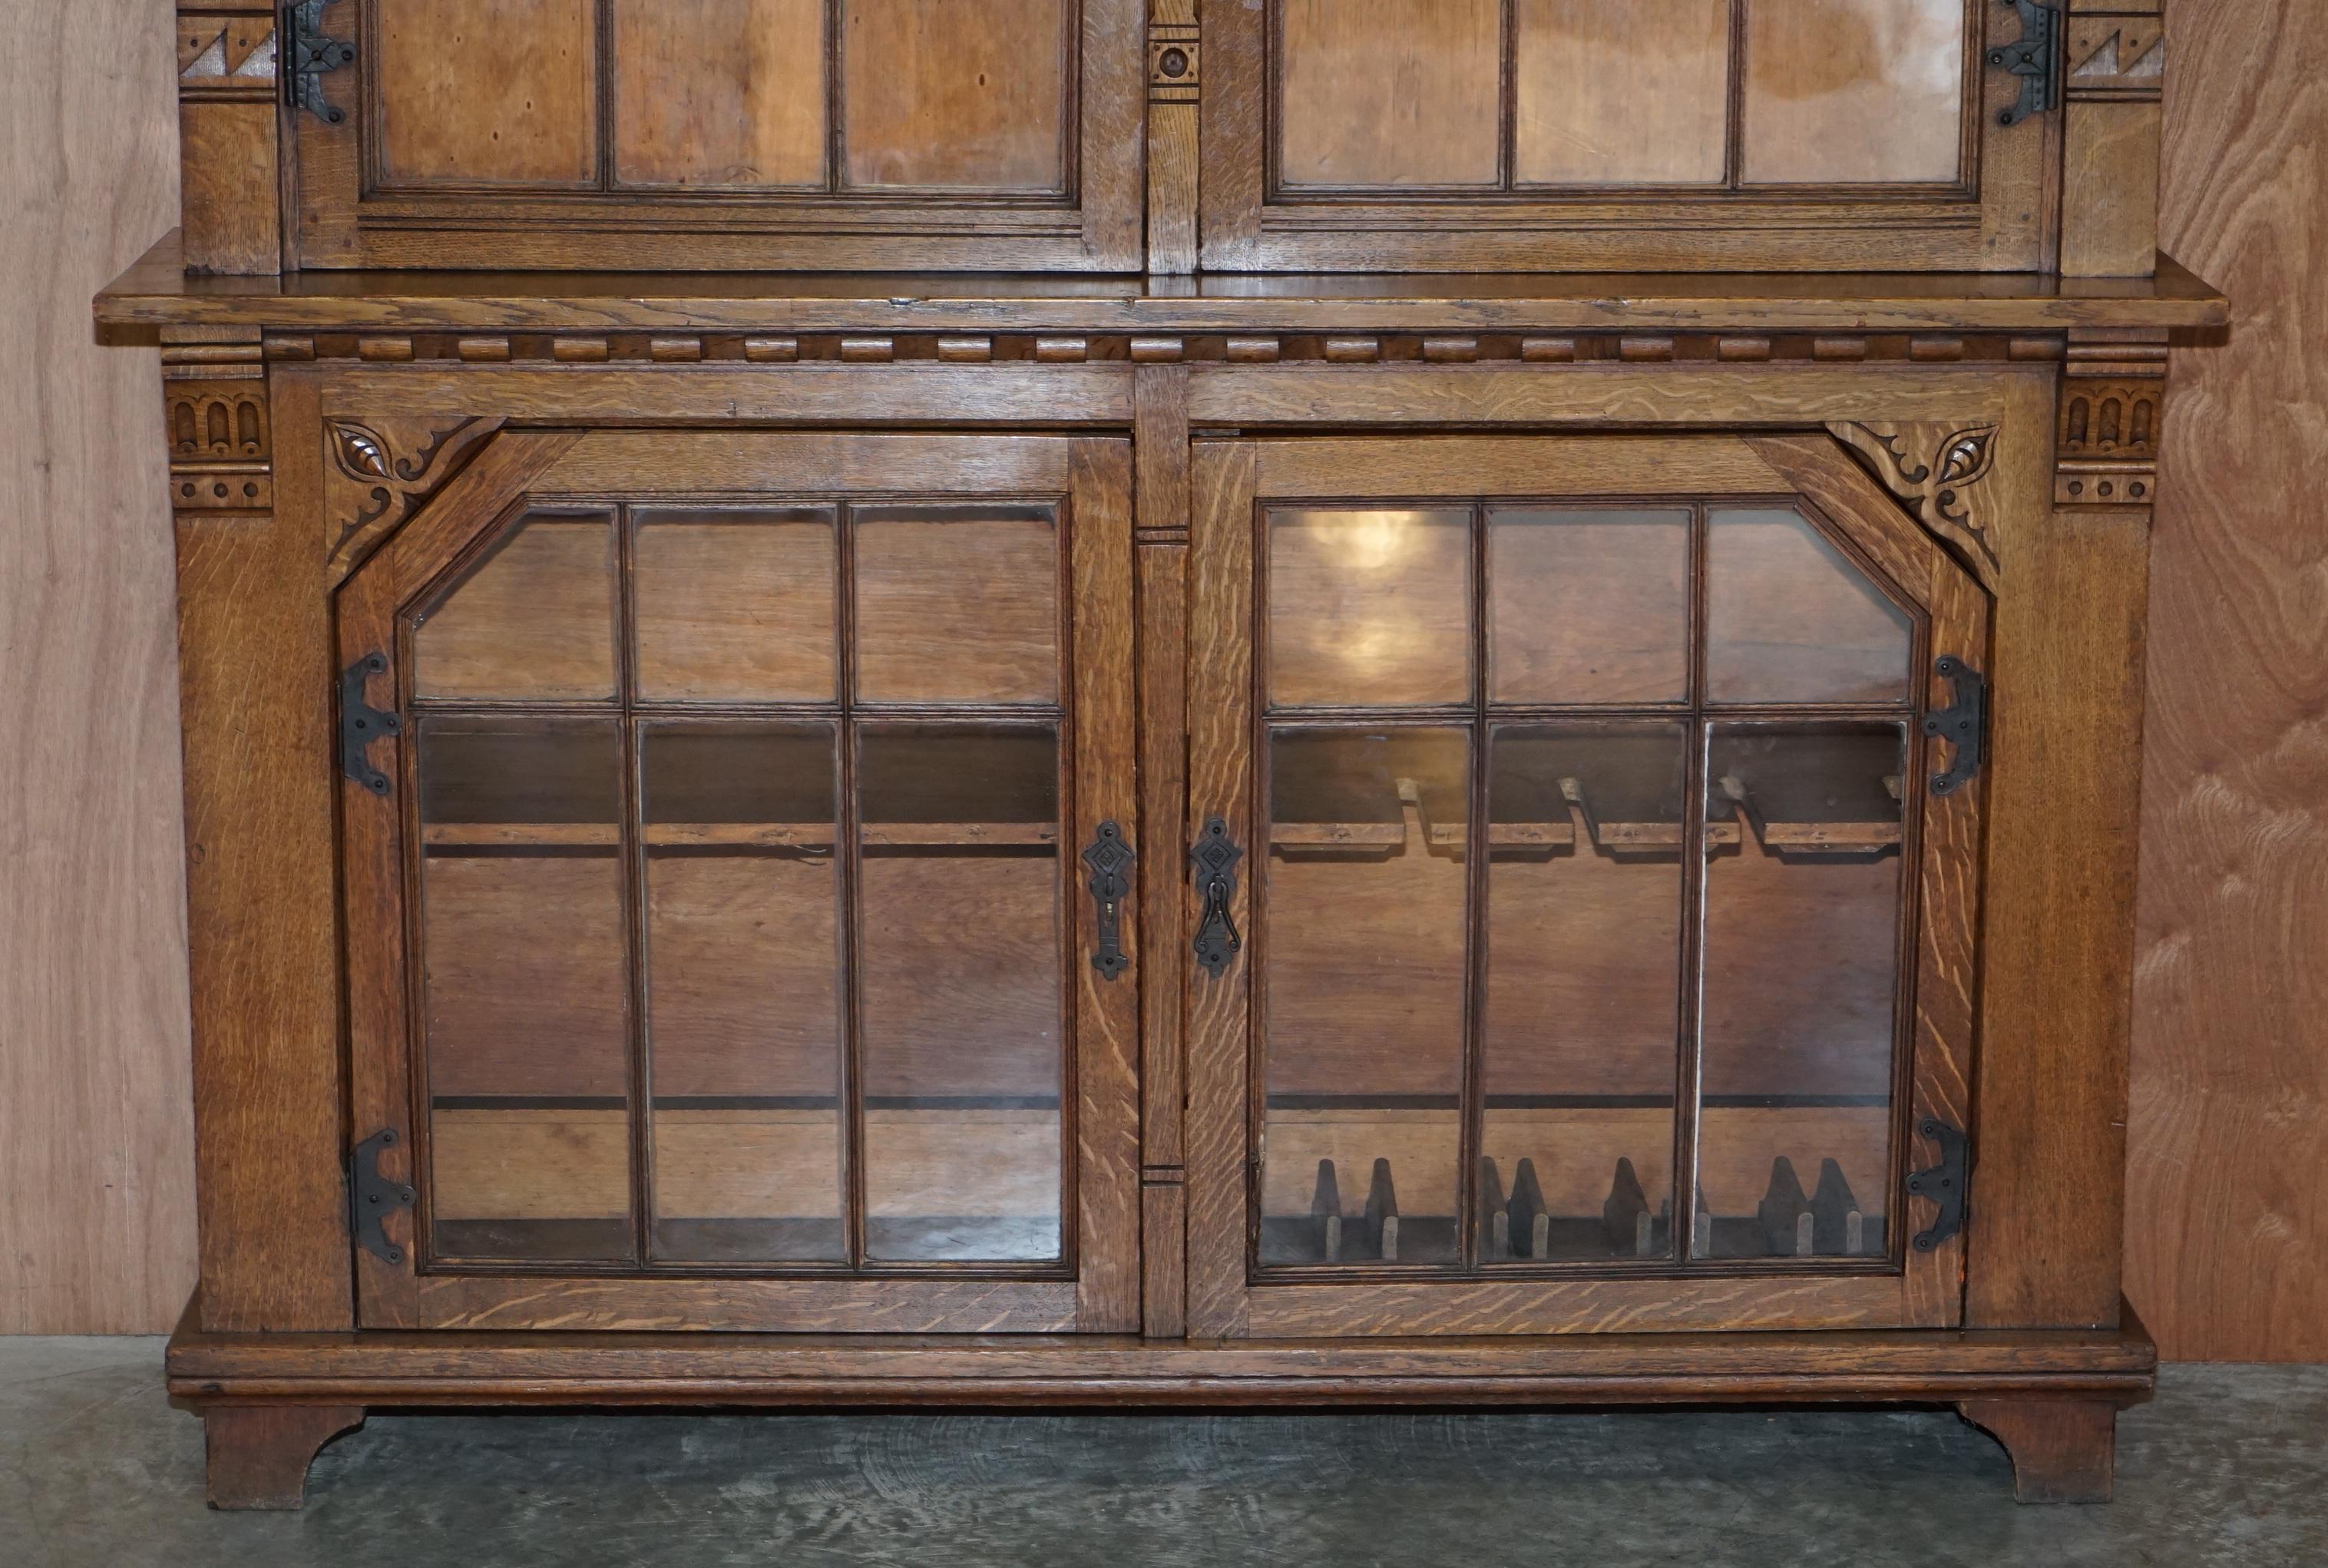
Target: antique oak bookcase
(1024, 702)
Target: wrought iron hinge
(1109, 857)
(1943, 1184)
(2035, 59)
(1963, 724)
(1215, 858)
(313, 54)
(361, 723)
(372, 1197)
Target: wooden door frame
(1091, 475)
(2001, 221)
(331, 220)
(1230, 478)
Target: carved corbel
(1938, 471)
(378, 471)
(216, 420)
(2113, 405)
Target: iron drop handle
(1214, 857)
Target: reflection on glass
(1369, 608)
(959, 992)
(1621, 95)
(1365, 897)
(1853, 92)
(1582, 1040)
(534, 618)
(957, 604)
(1801, 981)
(736, 605)
(525, 1012)
(743, 991)
(1587, 605)
(1790, 618)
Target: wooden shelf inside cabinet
(803, 836)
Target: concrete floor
(2229, 1467)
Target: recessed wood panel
(940, 95)
(487, 92)
(1392, 92)
(719, 93)
(957, 604)
(1854, 92)
(737, 606)
(1621, 95)
(1369, 607)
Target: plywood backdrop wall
(2229, 1211)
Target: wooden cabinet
(1484, 833)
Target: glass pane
(526, 1012)
(940, 95)
(959, 990)
(486, 91)
(1369, 608)
(535, 617)
(1363, 982)
(1790, 618)
(744, 991)
(1394, 92)
(719, 93)
(737, 606)
(1854, 92)
(1581, 1040)
(1587, 605)
(1636, 94)
(1802, 975)
(957, 604)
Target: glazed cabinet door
(848, 135)
(1583, 915)
(1575, 135)
(729, 826)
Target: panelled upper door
(723, 951)
(742, 133)
(1584, 918)
(1552, 135)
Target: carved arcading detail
(1939, 470)
(379, 471)
(2113, 405)
(220, 432)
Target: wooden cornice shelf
(158, 291)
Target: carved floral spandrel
(379, 471)
(1938, 471)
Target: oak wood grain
(2227, 1219)
(96, 1135)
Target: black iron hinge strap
(2035, 57)
(1943, 1184)
(361, 723)
(309, 55)
(1963, 724)
(372, 1197)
